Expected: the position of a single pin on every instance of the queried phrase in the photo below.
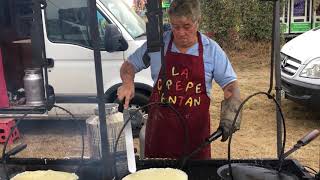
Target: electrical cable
(233, 127)
(82, 135)
(4, 163)
(180, 117)
(268, 94)
(18, 122)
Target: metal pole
(36, 37)
(107, 160)
(163, 62)
(276, 50)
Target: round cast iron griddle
(243, 171)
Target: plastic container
(142, 136)
(114, 120)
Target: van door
(300, 16)
(68, 45)
(72, 73)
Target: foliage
(256, 20)
(229, 21)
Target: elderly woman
(192, 62)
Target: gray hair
(185, 8)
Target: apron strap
(200, 46)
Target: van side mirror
(114, 41)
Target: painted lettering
(173, 99)
(169, 83)
(198, 90)
(178, 86)
(173, 72)
(159, 84)
(185, 72)
(189, 86)
(197, 101)
(163, 98)
(180, 100)
(189, 102)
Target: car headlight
(312, 70)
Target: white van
(69, 54)
(300, 68)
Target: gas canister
(34, 87)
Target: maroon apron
(186, 92)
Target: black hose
(234, 121)
(4, 163)
(82, 136)
(18, 122)
(180, 117)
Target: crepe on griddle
(45, 175)
(158, 174)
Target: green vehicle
(299, 16)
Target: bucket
(114, 120)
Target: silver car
(300, 68)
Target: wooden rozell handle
(309, 137)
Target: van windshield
(134, 24)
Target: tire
(138, 101)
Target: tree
(227, 21)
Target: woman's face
(184, 31)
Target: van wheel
(138, 101)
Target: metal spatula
(129, 142)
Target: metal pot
(34, 87)
(244, 171)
